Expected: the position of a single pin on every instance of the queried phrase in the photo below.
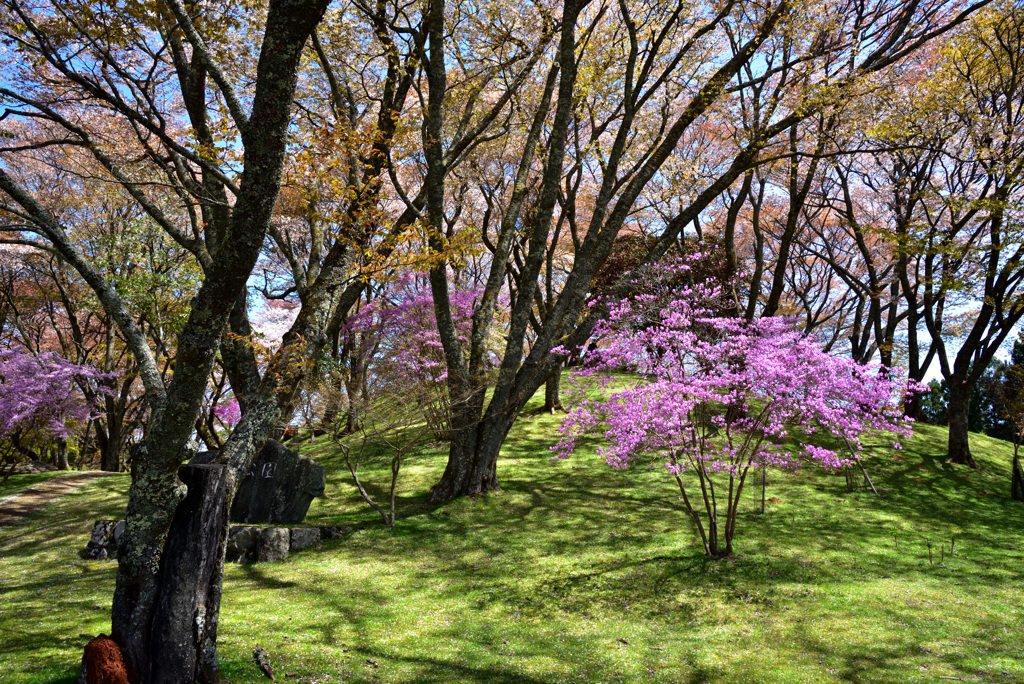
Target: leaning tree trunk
(156, 491)
(476, 442)
(959, 403)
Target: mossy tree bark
(232, 240)
(184, 637)
(156, 490)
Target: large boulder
(278, 488)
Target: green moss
(576, 572)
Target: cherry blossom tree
(204, 159)
(628, 104)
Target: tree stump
(184, 632)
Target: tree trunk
(1017, 478)
(156, 491)
(912, 407)
(110, 459)
(110, 456)
(84, 445)
(959, 403)
(184, 629)
(62, 455)
(472, 455)
(552, 392)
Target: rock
(246, 543)
(102, 662)
(33, 466)
(242, 543)
(278, 488)
(273, 544)
(303, 538)
(103, 542)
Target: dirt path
(14, 508)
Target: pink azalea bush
(396, 345)
(714, 397)
(40, 399)
(228, 411)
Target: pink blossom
(228, 411)
(40, 396)
(718, 396)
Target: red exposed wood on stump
(103, 662)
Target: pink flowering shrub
(40, 399)
(228, 411)
(715, 397)
(395, 344)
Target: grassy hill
(576, 572)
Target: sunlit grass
(577, 572)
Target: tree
(53, 309)
(717, 397)
(186, 112)
(99, 53)
(40, 402)
(626, 101)
(955, 183)
(208, 173)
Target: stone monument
(278, 488)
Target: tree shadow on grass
(443, 671)
(256, 574)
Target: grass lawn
(576, 572)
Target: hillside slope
(576, 572)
